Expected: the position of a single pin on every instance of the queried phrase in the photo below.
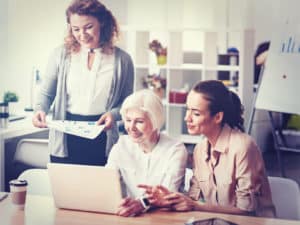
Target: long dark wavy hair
(222, 100)
(109, 30)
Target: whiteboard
(279, 90)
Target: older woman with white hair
(145, 155)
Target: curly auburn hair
(109, 30)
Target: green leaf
(10, 97)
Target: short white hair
(147, 101)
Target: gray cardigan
(53, 90)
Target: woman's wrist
(145, 203)
(197, 205)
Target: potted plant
(156, 83)
(160, 52)
(11, 98)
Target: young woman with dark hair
(229, 172)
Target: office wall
(3, 43)
(34, 29)
(266, 17)
(31, 29)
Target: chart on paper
(85, 129)
(280, 81)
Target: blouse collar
(84, 49)
(222, 144)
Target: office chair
(32, 152)
(38, 181)
(187, 179)
(286, 197)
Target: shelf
(222, 68)
(180, 105)
(187, 65)
(147, 66)
(190, 66)
(189, 139)
(234, 89)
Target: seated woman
(229, 172)
(145, 155)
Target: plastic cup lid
(18, 183)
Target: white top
(88, 90)
(165, 165)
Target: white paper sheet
(85, 129)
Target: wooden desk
(15, 129)
(41, 210)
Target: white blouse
(164, 165)
(88, 90)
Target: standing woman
(229, 172)
(86, 79)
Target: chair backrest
(38, 181)
(187, 179)
(286, 197)
(32, 152)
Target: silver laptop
(86, 188)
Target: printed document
(85, 129)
